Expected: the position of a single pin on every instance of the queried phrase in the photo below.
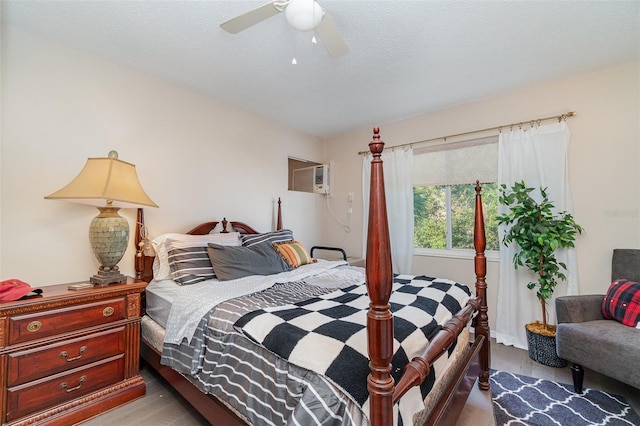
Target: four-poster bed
(385, 383)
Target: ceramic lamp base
(109, 237)
(111, 276)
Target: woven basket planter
(542, 349)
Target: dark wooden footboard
(382, 389)
(455, 395)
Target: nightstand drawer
(28, 327)
(41, 394)
(32, 364)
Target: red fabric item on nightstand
(15, 289)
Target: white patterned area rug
(522, 400)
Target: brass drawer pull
(108, 311)
(65, 354)
(34, 326)
(64, 385)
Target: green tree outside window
(449, 209)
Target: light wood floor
(163, 406)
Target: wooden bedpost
(482, 320)
(143, 262)
(139, 261)
(279, 222)
(379, 277)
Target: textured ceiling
(405, 58)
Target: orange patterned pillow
(293, 253)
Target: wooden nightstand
(67, 356)
(355, 261)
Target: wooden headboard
(144, 263)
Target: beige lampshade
(104, 179)
(109, 184)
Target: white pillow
(162, 244)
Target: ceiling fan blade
(246, 20)
(330, 36)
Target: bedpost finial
(478, 187)
(376, 145)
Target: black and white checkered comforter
(269, 390)
(327, 334)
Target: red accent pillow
(622, 302)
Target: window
(444, 215)
(444, 194)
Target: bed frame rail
(419, 367)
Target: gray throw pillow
(230, 263)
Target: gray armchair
(584, 338)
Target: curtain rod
(511, 125)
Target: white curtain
(537, 155)
(398, 175)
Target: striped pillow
(622, 303)
(184, 258)
(293, 253)
(190, 265)
(281, 236)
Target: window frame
(449, 251)
(490, 255)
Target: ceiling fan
(303, 15)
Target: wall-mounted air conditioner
(311, 179)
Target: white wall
(604, 154)
(60, 107)
(198, 159)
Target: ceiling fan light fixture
(303, 15)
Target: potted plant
(539, 232)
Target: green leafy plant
(534, 227)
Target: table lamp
(109, 184)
